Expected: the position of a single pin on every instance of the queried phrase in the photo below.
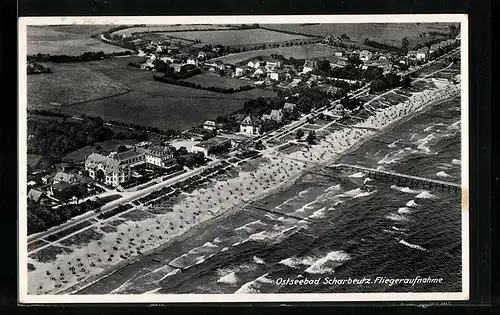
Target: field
(212, 79)
(391, 34)
(236, 37)
(169, 28)
(114, 91)
(68, 84)
(107, 147)
(298, 52)
(67, 40)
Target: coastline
(235, 208)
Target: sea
(330, 224)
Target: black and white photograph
(243, 158)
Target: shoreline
(219, 215)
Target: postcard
(243, 158)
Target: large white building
(110, 169)
(250, 127)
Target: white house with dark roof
(114, 170)
(365, 55)
(64, 177)
(249, 126)
(276, 115)
(289, 106)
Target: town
(89, 169)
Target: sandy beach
(132, 239)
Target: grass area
(254, 164)
(149, 103)
(68, 231)
(115, 222)
(110, 198)
(67, 40)
(49, 253)
(391, 34)
(36, 244)
(236, 37)
(33, 159)
(136, 215)
(298, 52)
(167, 28)
(68, 84)
(214, 80)
(115, 211)
(108, 228)
(83, 238)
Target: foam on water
(252, 286)
(428, 128)
(368, 179)
(456, 162)
(258, 260)
(229, 279)
(404, 210)
(386, 160)
(396, 217)
(333, 188)
(455, 125)
(393, 145)
(224, 249)
(318, 214)
(358, 175)
(364, 194)
(209, 244)
(320, 266)
(407, 190)
(425, 195)
(411, 203)
(442, 174)
(294, 262)
(412, 245)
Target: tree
(406, 82)
(259, 145)
(323, 65)
(299, 134)
(121, 148)
(100, 176)
(311, 137)
(405, 43)
(344, 37)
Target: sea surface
(329, 224)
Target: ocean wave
(442, 174)
(398, 229)
(368, 179)
(455, 125)
(404, 210)
(258, 260)
(296, 197)
(364, 194)
(396, 217)
(270, 216)
(199, 260)
(224, 249)
(407, 190)
(321, 213)
(229, 279)
(411, 203)
(393, 145)
(456, 162)
(333, 188)
(209, 244)
(253, 286)
(358, 175)
(328, 263)
(412, 245)
(248, 227)
(294, 262)
(357, 193)
(386, 160)
(425, 195)
(171, 273)
(428, 128)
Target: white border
(261, 19)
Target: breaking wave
(412, 245)
(425, 195)
(229, 279)
(358, 175)
(411, 203)
(328, 263)
(407, 190)
(442, 174)
(404, 210)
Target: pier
(401, 179)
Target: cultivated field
(114, 91)
(298, 52)
(169, 28)
(391, 34)
(66, 40)
(236, 37)
(214, 80)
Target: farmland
(113, 91)
(236, 37)
(66, 40)
(214, 80)
(297, 52)
(169, 28)
(390, 34)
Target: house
(212, 146)
(31, 183)
(209, 125)
(238, 72)
(276, 115)
(339, 53)
(289, 107)
(35, 195)
(202, 55)
(64, 177)
(273, 76)
(365, 55)
(177, 67)
(162, 156)
(249, 126)
(167, 59)
(192, 61)
(309, 66)
(412, 54)
(422, 53)
(46, 179)
(254, 64)
(259, 72)
(108, 169)
(273, 64)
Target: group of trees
(379, 45)
(220, 148)
(35, 68)
(184, 158)
(55, 138)
(86, 56)
(385, 82)
(42, 217)
(166, 133)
